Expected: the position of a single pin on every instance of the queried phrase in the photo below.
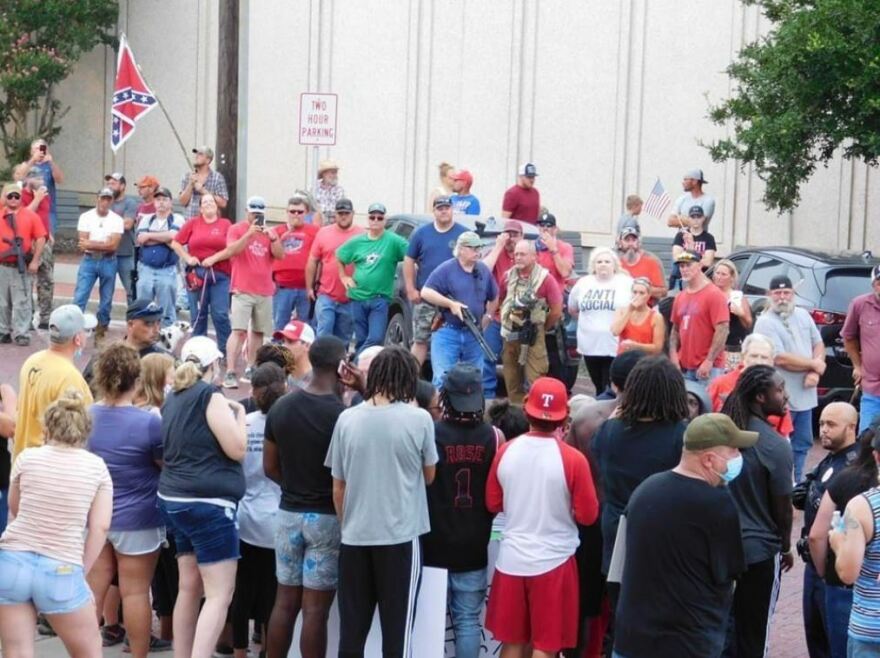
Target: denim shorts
(307, 550)
(206, 529)
(54, 587)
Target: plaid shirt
(326, 197)
(214, 183)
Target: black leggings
(599, 368)
(254, 591)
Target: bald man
(837, 432)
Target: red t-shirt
(695, 315)
(546, 259)
(648, 266)
(522, 204)
(721, 387)
(290, 271)
(145, 209)
(203, 239)
(28, 227)
(43, 210)
(252, 266)
(502, 266)
(327, 241)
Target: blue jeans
(370, 318)
(692, 375)
(451, 345)
(815, 619)
(492, 334)
(801, 439)
(124, 267)
(838, 603)
(285, 301)
(333, 318)
(54, 587)
(869, 410)
(102, 270)
(159, 284)
(216, 302)
(859, 649)
(466, 595)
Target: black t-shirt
(626, 455)
(301, 425)
(460, 522)
(683, 552)
(703, 242)
(827, 470)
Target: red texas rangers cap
(547, 399)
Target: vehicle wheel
(396, 332)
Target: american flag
(132, 98)
(658, 201)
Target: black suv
(825, 284)
(399, 330)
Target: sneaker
(222, 651)
(5, 338)
(112, 635)
(100, 334)
(23, 340)
(257, 637)
(43, 627)
(156, 645)
(230, 380)
(248, 373)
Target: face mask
(734, 468)
(78, 353)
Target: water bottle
(837, 521)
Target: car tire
(397, 333)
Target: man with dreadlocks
(800, 358)
(762, 494)
(460, 522)
(382, 456)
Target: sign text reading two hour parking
(317, 119)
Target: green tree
(40, 42)
(808, 88)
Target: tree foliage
(808, 88)
(40, 42)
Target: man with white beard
(800, 359)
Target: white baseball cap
(201, 349)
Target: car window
(403, 229)
(842, 286)
(740, 262)
(763, 271)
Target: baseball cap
(67, 321)
(442, 201)
(696, 211)
(204, 150)
(875, 273)
(327, 165)
(143, 309)
(780, 282)
(469, 239)
(527, 169)
(688, 257)
(201, 350)
(148, 181)
(547, 219)
(344, 205)
(105, 191)
(376, 208)
(163, 191)
(463, 386)
(547, 400)
(115, 176)
(256, 204)
(630, 230)
(512, 225)
(713, 430)
(464, 175)
(696, 174)
(296, 330)
(622, 365)
(11, 187)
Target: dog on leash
(172, 336)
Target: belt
(98, 255)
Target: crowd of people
(652, 519)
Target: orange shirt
(721, 387)
(648, 266)
(28, 227)
(640, 333)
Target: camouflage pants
(45, 281)
(15, 307)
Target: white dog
(172, 336)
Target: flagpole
(168, 117)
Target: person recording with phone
(41, 159)
(202, 180)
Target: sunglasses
(296, 212)
(13, 195)
(377, 218)
(257, 208)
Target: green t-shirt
(375, 263)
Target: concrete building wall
(603, 97)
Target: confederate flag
(132, 98)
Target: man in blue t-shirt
(463, 202)
(429, 246)
(461, 281)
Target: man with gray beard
(800, 359)
(640, 263)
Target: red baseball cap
(464, 175)
(547, 399)
(296, 330)
(512, 225)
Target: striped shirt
(57, 486)
(864, 620)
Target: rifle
(471, 323)
(528, 333)
(16, 246)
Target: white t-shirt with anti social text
(596, 302)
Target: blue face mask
(734, 468)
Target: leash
(202, 296)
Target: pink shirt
(327, 241)
(251, 267)
(546, 259)
(863, 323)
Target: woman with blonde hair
(157, 373)
(594, 300)
(129, 440)
(637, 325)
(445, 188)
(56, 491)
(725, 277)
